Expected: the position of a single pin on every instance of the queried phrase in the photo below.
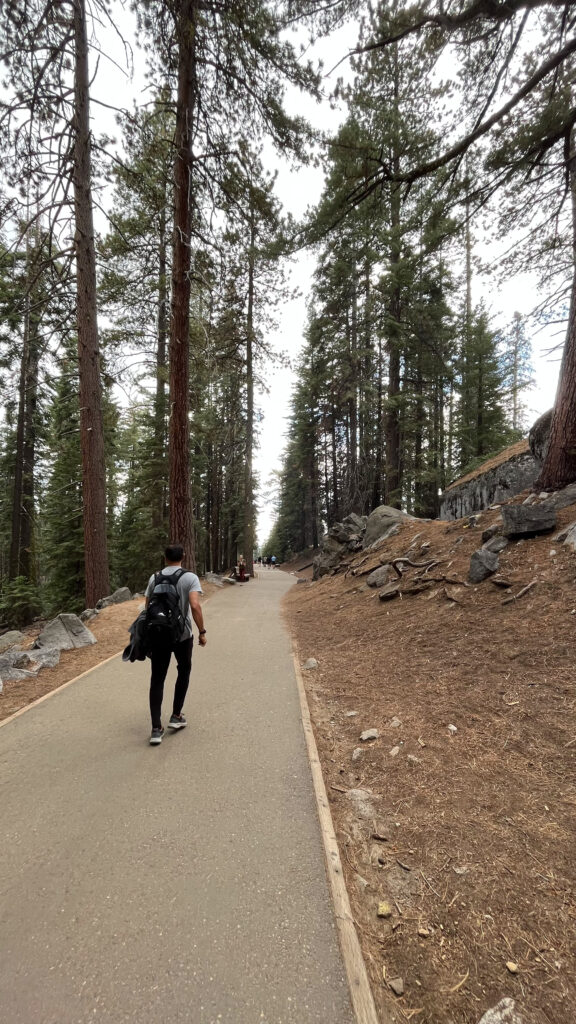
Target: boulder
(356, 522)
(340, 533)
(88, 614)
(11, 639)
(482, 564)
(65, 632)
(10, 672)
(524, 520)
(213, 577)
(379, 577)
(380, 521)
(118, 597)
(539, 436)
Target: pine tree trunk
(159, 508)
(91, 420)
(393, 483)
(181, 524)
(559, 467)
(248, 479)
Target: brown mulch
(475, 848)
(110, 627)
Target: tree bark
(91, 420)
(181, 522)
(248, 479)
(559, 467)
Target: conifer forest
(143, 271)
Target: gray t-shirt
(187, 583)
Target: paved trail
(179, 883)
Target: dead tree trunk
(91, 420)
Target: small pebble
(397, 986)
(512, 967)
(356, 753)
(452, 729)
(395, 751)
(395, 723)
(384, 909)
(369, 734)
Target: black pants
(160, 661)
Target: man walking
(188, 589)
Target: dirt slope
(468, 835)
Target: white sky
(297, 190)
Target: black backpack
(165, 622)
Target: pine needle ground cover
(465, 838)
(110, 627)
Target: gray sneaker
(156, 736)
(177, 722)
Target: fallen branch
(508, 600)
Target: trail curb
(355, 967)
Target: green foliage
(19, 603)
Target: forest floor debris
(472, 833)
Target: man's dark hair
(174, 553)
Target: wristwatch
(201, 632)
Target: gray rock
(213, 577)
(519, 520)
(568, 536)
(483, 563)
(379, 522)
(88, 614)
(46, 657)
(9, 672)
(540, 435)
(229, 579)
(496, 545)
(369, 734)
(491, 531)
(379, 577)
(504, 1013)
(310, 664)
(65, 632)
(495, 485)
(356, 753)
(390, 532)
(351, 714)
(390, 591)
(394, 752)
(395, 723)
(397, 986)
(326, 561)
(11, 639)
(118, 597)
(340, 533)
(299, 580)
(362, 801)
(563, 535)
(561, 499)
(356, 522)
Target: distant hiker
(273, 560)
(269, 562)
(172, 601)
(241, 569)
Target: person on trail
(188, 590)
(273, 561)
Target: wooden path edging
(356, 973)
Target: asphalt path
(183, 882)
